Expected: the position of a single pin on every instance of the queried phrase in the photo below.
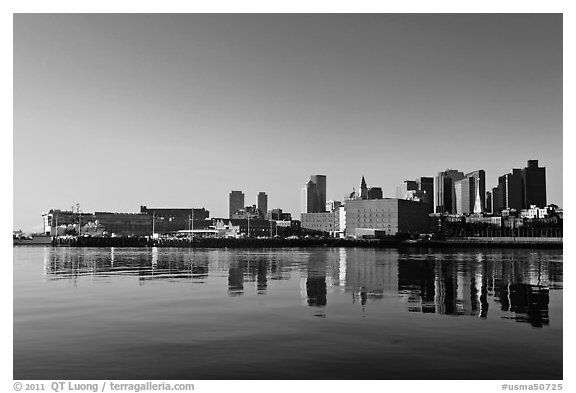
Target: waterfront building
(534, 212)
(253, 228)
(172, 214)
(445, 194)
(533, 185)
(236, 201)
(263, 203)
(323, 222)
(333, 223)
(62, 222)
(389, 215)
(174, 219)
(314, 195)
(56, 221)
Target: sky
(114, 111)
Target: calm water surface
(329, 313)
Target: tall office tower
(445, 195)
(463, 190)
(236, 202)
(310, 199)
(314, 195)
(320, 181)
(488, 202)
(402, 190)
(363, 189)
(263, 203)
(478, 190)
(534, 185)
(508, 194)
(497, 199)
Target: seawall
(283, 243)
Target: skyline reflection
(452, 283)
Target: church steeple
(363, 189)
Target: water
(327, 313)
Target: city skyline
(118, 111)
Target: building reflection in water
(516, 283)
(316, 288)
(455, 284)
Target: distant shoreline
(542, 242)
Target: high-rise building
(445, 195)
(470, 193)
(263, 203)
(477, 190)
(236, 202)
(463, 191)
(488, 202)
(320, 181)
(534, 185)
(508, 193)
(314, 195)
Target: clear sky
(117, 111)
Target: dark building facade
(488, 202)
(375, 193)
(314, 195)
(263, 203)
(508, 194)
(236, 201)
(426, 184)
(534, 185)
(171, 219)
(61, 222)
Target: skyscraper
(236, 202)
(320, 181)
(463, 191)
(508, 193)
(488, 202)
(263, 203)
(445, 196)
(314, 195)
(534, 185)
(477, 191)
